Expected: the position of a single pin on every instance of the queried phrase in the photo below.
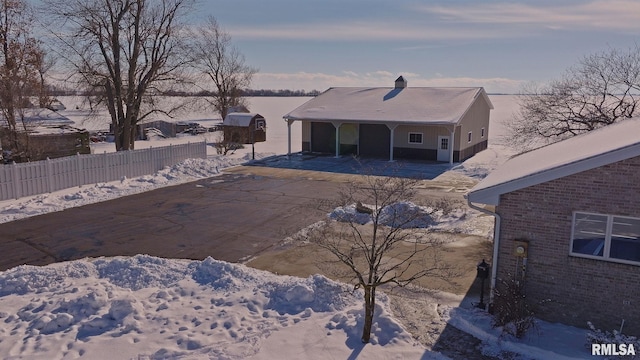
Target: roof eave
(376, 121)
(491, 195)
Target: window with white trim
(469, 137)
(606, 237)
(444, 143)
(415, 138)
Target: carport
(421, 123)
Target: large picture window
(607, 237)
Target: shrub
(512, 312)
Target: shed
(573, 210)
(244, 128)
(52, 141)
(168, 129)
(427, 123)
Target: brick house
(568, 225)
(425, 123)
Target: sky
(500, 45)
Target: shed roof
(588, 151)
(413, 105)
(240, 119)
(41, 116)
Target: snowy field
(150, 308)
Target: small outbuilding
(244, 128)
(424, 123)
(52, 141)
(48, 134)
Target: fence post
(16, 182)
(79, 167)
(105, 164)
(152, 166)
(49, 176)
(129, 164)
(153, 159)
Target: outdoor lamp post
(483, 274)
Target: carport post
(453, 137)
(337, 126)
(289, 121)
(392, 128)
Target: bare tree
(222, 63)
(388, 249)
(125, 52)
(600, 90)
(21, 60)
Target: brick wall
(578, 289)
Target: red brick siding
(579, 289)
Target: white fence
(25, 179)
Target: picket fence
(38, 177)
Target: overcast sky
(317, 44)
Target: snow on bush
(597, 336)
(402, 214)
(406, 215)
(349, 213)
(409, 215)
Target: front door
(444, 148)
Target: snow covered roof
(42, 116)
(588, 151)
(239, 119)
(413, 105)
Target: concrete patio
(426, 170)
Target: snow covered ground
(150, 308)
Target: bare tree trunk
(369, 308)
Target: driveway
(230, 217)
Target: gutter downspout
(496, 244)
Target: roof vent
(401, 83)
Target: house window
(415, 138)
(607, 237)
(482, 133)
(469, 137)
(444, 143)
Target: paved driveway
(230, 217)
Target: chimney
(401, 83)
